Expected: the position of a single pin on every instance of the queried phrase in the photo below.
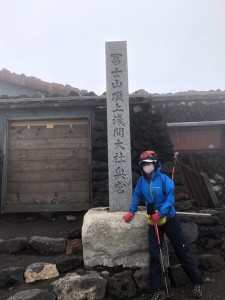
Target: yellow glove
(159, 223)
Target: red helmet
(148, 156)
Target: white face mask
(148, 168)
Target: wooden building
(46, 153)
(54, 149)
(196, 120)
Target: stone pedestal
(109, 241)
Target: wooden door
(48, 166)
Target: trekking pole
(150, 212)
(161, 256)
(165, 274)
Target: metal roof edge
(66, 101)
(193, 124)
(188, 96)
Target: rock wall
(148, 131)
(205, 237)
(191, 111)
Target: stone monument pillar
(108, 240)
(118, 127)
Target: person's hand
(128, 217)
(155, 217)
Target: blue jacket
(159, 190)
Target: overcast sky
(173, 45)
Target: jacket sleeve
(168, 191)
(136, 197)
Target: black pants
(173, 231)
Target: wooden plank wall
(48, 162)
(196, 139)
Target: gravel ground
(56, 226)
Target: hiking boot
(159, 295)
(197, 290)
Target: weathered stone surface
(66, 263)
(105, 274)
(213, 243)
(101, 186)
(190, 232)
(34, 294)
(206, 221)
(212, 262)
(109, 241)
(219, 178)
(122, 285)
(76, 287)
(211, 230)
(40, 271)
(144, 135)
(71, 218)
(100, 175)
(100, 199)
(13, 245)
(185, 205)
(11, 276)
(48, 246)
(118, 127)
(99, 165)
(75, 233)
(223, 243)
(137, 109)
(217, 188)
(141, 277)
(74, 246)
